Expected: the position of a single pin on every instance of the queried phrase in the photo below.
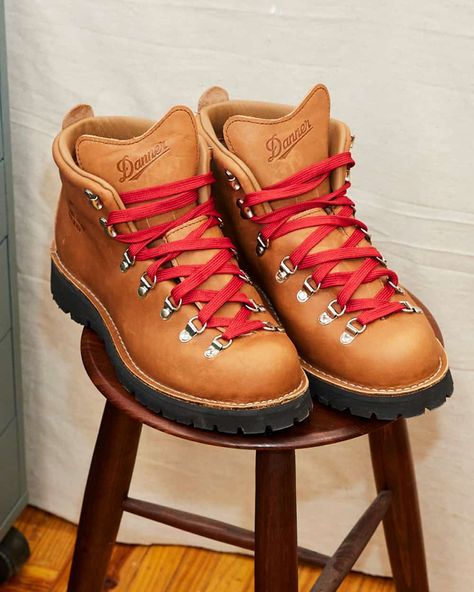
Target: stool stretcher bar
(341, 563)
(335, 567)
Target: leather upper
(262, 143)
(260, 369)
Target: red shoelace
(281, 222)
(171, 197)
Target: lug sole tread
(381, 407)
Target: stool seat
(323, 427)
(274, 539)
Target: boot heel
(68, 298)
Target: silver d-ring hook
(410, 307)
(108, 228)
(329, 315)
(218, 344)
(267, 326)
(309, 288)
(127, 261)
(169, 308)
(146, 284)
(244, 276)
(191, 330)
(232, 179)
(245, 211)
(254, 306)
(94, 199)
(351, 331)
(262, 244)
(285, 270)
(397, 289)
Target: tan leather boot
(282, 190)
(140, 257)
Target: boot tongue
(277, 148)
(167, 152)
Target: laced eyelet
(146, 284)
(285, 270)
(109, 230)
(245, 212)
(244, 276)
(329, 315)
(191, 330)
(267, 326)
(254, 306)
(218, 344)
(169, 308)
(232, 179)
(397, 289)
(410, 307)
(262, 244)
(309, 288)
(351, 331)
(94, 199)
(126, 262)
(382, 260)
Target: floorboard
(148, 569)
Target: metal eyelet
(267, 326)
(254, 306)
(220, 221)
(351, 331)
(245, 212)
(169, 308)
(217, 346)
(232, 179)
(382, 260)
(126, 262)
(308, 289)
(397, 289)
(284, 270)
(410, 307)
(146, 285)
(109, 230)
(191, 330)
(367, 235)
(245, 277)
(94, 199)
(262, 244)
(329, 315)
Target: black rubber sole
(231, 421)
(380, 407)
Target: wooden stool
(275, 541)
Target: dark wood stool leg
(276, 562)
(394, 471)
(109, 479)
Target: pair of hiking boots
(227, 298)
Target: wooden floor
(148, 569)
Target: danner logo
(279, 147)
(132, 169)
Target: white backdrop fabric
(401, 74)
